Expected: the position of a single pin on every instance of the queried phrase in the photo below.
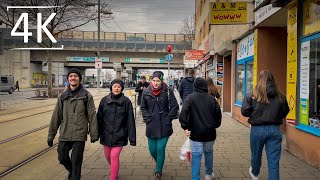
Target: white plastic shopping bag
(185, 151)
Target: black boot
(69, 176)
(157, 176)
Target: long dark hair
(212, 88)
(259, 93)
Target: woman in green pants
(159, 107)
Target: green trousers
(157, 148)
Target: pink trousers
(112, 154)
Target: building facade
(282, 37)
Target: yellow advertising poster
(228, 12)
(292, 63)
(311, 16)
(255, 58)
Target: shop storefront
(303, 81)
(244, 68)
(309, 84)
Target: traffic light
(169, 48)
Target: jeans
(197, 149)
(269, 136)
(157, 148)
(74, 164)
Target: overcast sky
(147, 16)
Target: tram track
(23, 134)
(20, 161)
(26, 161)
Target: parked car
(7, 84)
(88, 85)
(106, 85)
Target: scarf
(156, 92)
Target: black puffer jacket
(200, 113)
(139, 90)
(264, 114)
(186, 87)
(156, 113)
(116, 121)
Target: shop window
(309, 104)
(244, 79)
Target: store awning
(275, 3)
(206, 57)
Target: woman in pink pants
(116, 125)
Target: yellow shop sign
(228, 12)
(311, 17)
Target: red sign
(169, 48)
(193, 54)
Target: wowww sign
(41, 27)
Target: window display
(240, 83)
(310, 83)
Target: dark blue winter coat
(186, 87)
(156, 113)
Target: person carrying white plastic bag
(199, 117)
(185, 151)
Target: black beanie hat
(74, 70)
(158, 74)
(117, 81)
(200, 85)
(142, 77)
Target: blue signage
(87, 59)
(169, 57)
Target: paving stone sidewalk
(231, 158)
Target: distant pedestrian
(159, 107)
(199, 117)
(141, 86)
(266, 108)
(17, 86)
(73, 113)
(186, 85)
(116, 125)
(212, 88)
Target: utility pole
(98, 46)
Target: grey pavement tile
(233, 174)
(302, 174)
(142, 172)
(88, 177)
(139, 177)
(125, 171)
(99, 172)
(185, 173)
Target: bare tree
(70, 15)
(188, 29)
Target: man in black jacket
(199, 117)
(186, 86)
(142, 85)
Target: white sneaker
(252, 176)
(209, 177)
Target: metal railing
(108, 40)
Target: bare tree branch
(188, 29)
(70, 14)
